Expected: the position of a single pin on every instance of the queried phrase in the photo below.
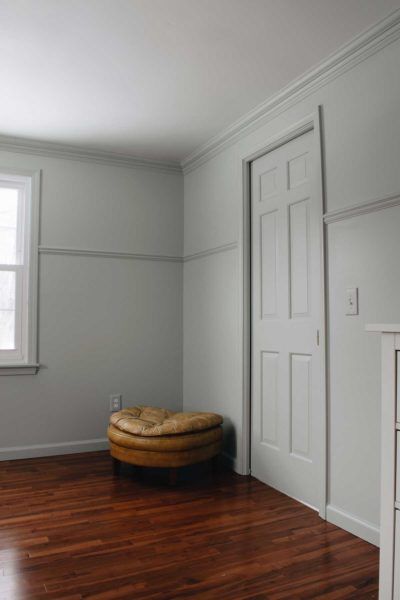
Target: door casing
(313, 123)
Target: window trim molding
(30, 365)
(19, 369)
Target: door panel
(269, 264)
(298, 260)
(286, 315)
(269, 394)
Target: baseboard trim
(362, 529)
(41, 450)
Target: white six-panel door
(286, 318)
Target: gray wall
(106, 325)
(362, 149)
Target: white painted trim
(210, 251)
(58, 250)
(33, 188)
(319, 171)
(295, 130)
(106, 254)
(19, 369)
(363, 208)
(65, 151)
(38, 450)
(363, 529)
(33, 307)
(244, 303)
(283, 137)
(348, 56)
(383, 328)
(309, 123)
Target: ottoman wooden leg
(116, 466)
(173, 476)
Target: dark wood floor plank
(69, 530)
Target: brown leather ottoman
(155, 437)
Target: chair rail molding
(53, 150)
(59, 250)
(348, 56)
(363, 208)
(211, 251)
(107, 254)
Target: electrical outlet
(115, 402)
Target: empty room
(199, 299)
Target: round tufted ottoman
(155, 437)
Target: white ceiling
(157, 78)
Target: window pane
(7, 330)
(8, 225)
(7, 310)
(7, 290)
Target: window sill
(19, 369)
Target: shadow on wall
(229, 438)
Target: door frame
(313, 122)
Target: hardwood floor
(70, 530)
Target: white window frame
(24, 359)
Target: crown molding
(363, 208)
(52, 150)
(348, 56)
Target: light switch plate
(352, 301)
(115, 402)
